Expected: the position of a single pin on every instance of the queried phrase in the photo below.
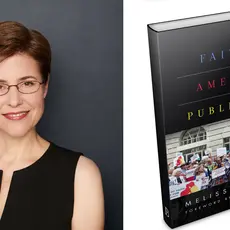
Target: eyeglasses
(25, 87)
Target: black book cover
(190, 64)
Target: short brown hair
(15, 38)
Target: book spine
(159, 121)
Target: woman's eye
(28, 83)
(2, 87)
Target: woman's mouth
(16, 116)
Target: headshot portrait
(60, 117)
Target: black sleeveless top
(41, 196)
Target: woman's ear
(46, 86)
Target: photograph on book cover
(61, 114)
(198, 158)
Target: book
(190, 66)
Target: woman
(177, 177)
(218, 163)
(43, 186)
(201, 174)
(220, 179)
(209, 164)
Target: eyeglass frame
(8, 87)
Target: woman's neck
(13, 149)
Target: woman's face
(201, 169)
(218, 160)
(12, 70)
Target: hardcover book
(190, 64)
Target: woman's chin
(17, 132)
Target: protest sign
(190, 173)
(184, 189)
(221, 151)
(195, 157)
(179, 160)
(205, 181)
(218, 172)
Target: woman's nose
(14, 97)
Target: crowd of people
(200, 170)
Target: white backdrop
(142, 194)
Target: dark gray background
(84, 103)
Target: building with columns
(198, 139)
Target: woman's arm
(88, 197)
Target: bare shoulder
(88, 196)
(87, 167)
